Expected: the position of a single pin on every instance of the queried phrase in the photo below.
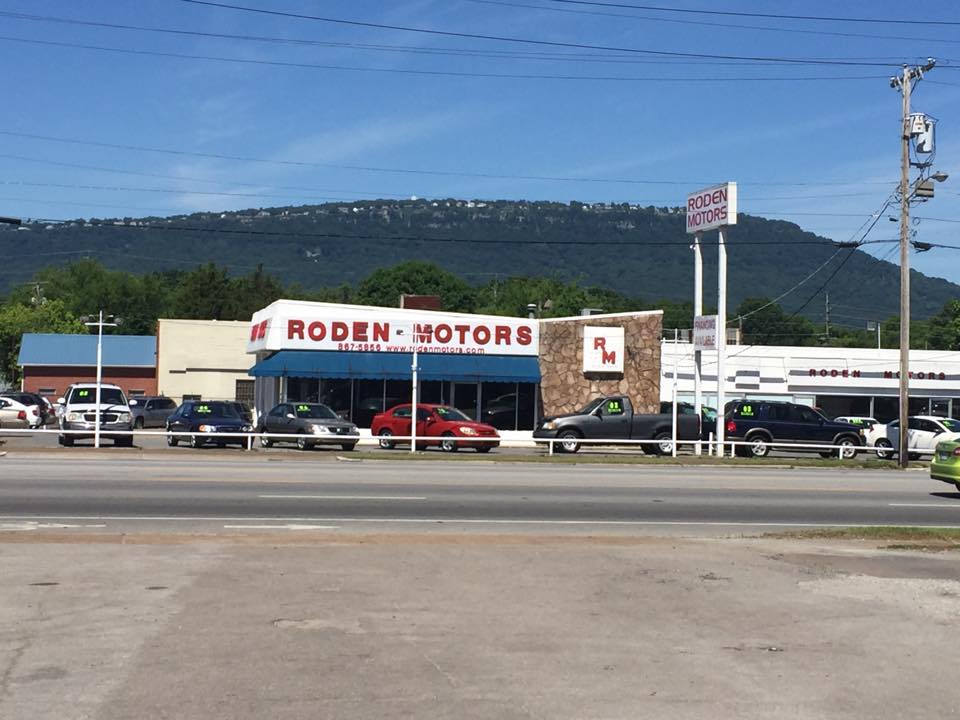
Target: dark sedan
(203, 418)
(311, 423)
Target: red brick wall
(57, 378)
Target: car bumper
(333, 439)
(945, 472)
(80, 430)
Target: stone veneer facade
(564, 386)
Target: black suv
(762, 424)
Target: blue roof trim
(81, 350)
(396, 366)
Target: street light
(99, 324)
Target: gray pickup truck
(612, 418)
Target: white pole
(413, 401)
(721, 336)
(676, 369)
(96, 430)
(697, 310)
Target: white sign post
(713, 208)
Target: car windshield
(449, 413)
(951, 424)
(221, 410)
(315, 412)
(108, 396)
(590, 407)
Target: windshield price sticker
(613, 407)
(746, 410)
(303, 408)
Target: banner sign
(293, 325)
(712, 208)
(705, 332)
(603, 349)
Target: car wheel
(125, 441)
(448, 443)
(266, 442)
(846, 448)
(569, 441)
(196, 441)
(884, 449)
(385, 441)
(348, 446)
(664, 444)
(484, 449)
(303, 443)
(171, 440)
(914, 456)
(759, 446)
(66, 441)
(138, 424)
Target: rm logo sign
(603, 349)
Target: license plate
(943, 455)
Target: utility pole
(905, 85)
(827, 316)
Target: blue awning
(396, 366)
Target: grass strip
(899, 537)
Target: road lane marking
(939, 506)
(455, 521)
(342, 497)
(281, 527)
(33, 525)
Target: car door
(399, 422)
(612, 420)
(8, 416)
(809, 426)
(926, 435)
(429, 424)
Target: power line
(618, 58)
(731, 13)
(432, 73)
(412, 171)
(711, 24)
(529, 41)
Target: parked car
(858, 420)
(312, 423)
(14, 414)
(762, 424)
(613, 418)
(78, 411)
(244, 411)
(151, 412)
(708, 416)
(945, 465)
(30, 400)
(924, 432)
(437, 425)
(211, 416)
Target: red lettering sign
(608, 358)
(524, 335)
(317, 331)
(295, 329)
(360, 331)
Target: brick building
(51, 362)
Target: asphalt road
(215, 492)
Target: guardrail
(709, 447)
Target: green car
(945, 465)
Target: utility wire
(731, 13)
(411, 171)
(432, 73)
(529, 41)
(708, 23)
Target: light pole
(99, 324)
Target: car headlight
(321, 430)
(207, 428)
(248, 428)
(123, 417)
(74, 417)
(464, 430)
(550, 425)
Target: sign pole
(413, 402)
(721, 335)
(698, 354)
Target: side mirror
(291, 416)
(431, 420)
(61, 401)
(132, 403)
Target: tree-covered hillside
(639, 252)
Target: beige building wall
(565, 387)
(203, 357)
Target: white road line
(939, 506)
(342, 497)
(280, 527)
(456, 521)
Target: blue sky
(822, 152)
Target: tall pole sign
(713, 208)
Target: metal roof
(81, 350)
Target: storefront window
(499, 405)
(886, 409)
(397, 392)
(431, 391)
(367, 401)
(465, 398)
(337, 395)
(303, 389)
(919, 406)
(940, 407)
(836, 406)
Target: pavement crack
(7, 676)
